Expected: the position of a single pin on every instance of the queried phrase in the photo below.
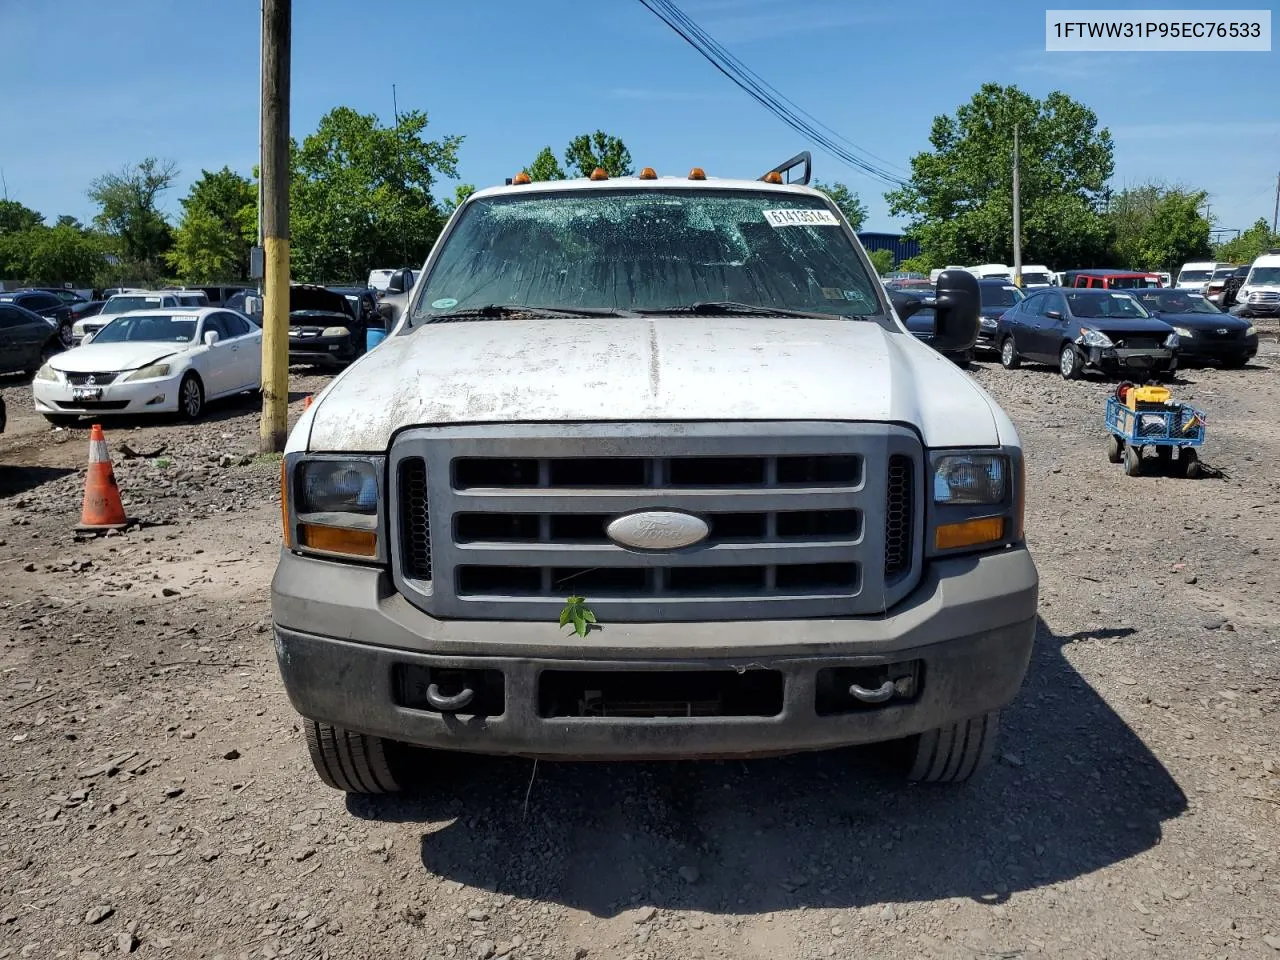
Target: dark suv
(46, 304)
(1076, 329)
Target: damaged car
(325, 327)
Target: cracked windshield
(649, 251)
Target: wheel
(955, 753)
(349, 761)
(61, 419)
(1069, 363)
(1009, 358)
(65, 336)
(191, 397)
(1235, 363)
(1192, 468)
(1115, 448)
(1132, 461)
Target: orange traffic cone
(102, 507)
(306, 404)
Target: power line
(767, 96)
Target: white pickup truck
(687, 404)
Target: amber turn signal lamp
(773, 176)
(648, 173)
(284, 503)
(969, 533)
(353, 543)
(599, 173)
(521, 177)
(697, 173)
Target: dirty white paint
(650, 369)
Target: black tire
(65, 336)
(1132, 461)
(1009, 358)
(1115, 448)
(1069, 363)
(190, 397)
(61, 419)
(352, 762)
(1189, 460)
(955, 753)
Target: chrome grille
(520, 513)
(82, 379)
(898, 515)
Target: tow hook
(903, 686)
(449, 704)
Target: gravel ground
(155, 795)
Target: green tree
(882, 260)
(361, 194)
(1155, 227)
(846, 201)
(460, 194)
(1250, 245)
(63, 254)
(959, 197)
(129, 212)
(16, 218)
(545, 166)
(66, 220)
(918, 264)
(590, 150)
(211, 242)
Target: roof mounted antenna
(783, 170)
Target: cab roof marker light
(521, 178)
(599, 173)
(648, 173)
(697, 173)
(773, 176)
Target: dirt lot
(155, 794)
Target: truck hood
(651, 369)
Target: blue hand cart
(1166, 427)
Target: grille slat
(899, 517)
(99, 379)
(415, 522)
(521, 512)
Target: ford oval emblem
(658, 530)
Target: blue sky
(87, 86)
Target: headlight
(153, 372)
(335, 332)
(1251, 331)
(977, 501)
(1171, 341)
(970, 479)
(47, 373)
(989, 322)
(1183, 332)
(338, 486)
(77, 328)
(1093, 338)
(331, 506)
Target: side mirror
(210, 337)
(957, 306)
(401, 282)
(1053, 314)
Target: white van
(1194, 276)
(1036, 275)
(1259, 295)
(378, 279)
(935, 274)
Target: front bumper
(344, 639)
(144, 396)
(322, 350)
(988, 341)
(1118, 360)
(1270, 308)
(1205, 348)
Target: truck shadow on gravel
(1074, 790)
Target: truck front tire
(954, 753)
(353, 762)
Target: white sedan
(153, 361)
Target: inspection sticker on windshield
(801, 218)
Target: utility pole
(274, 178)
(1017, 213)
(395, 107)
(1275, 215)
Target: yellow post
(276, 23)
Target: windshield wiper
(715, 308)
(497, 311)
